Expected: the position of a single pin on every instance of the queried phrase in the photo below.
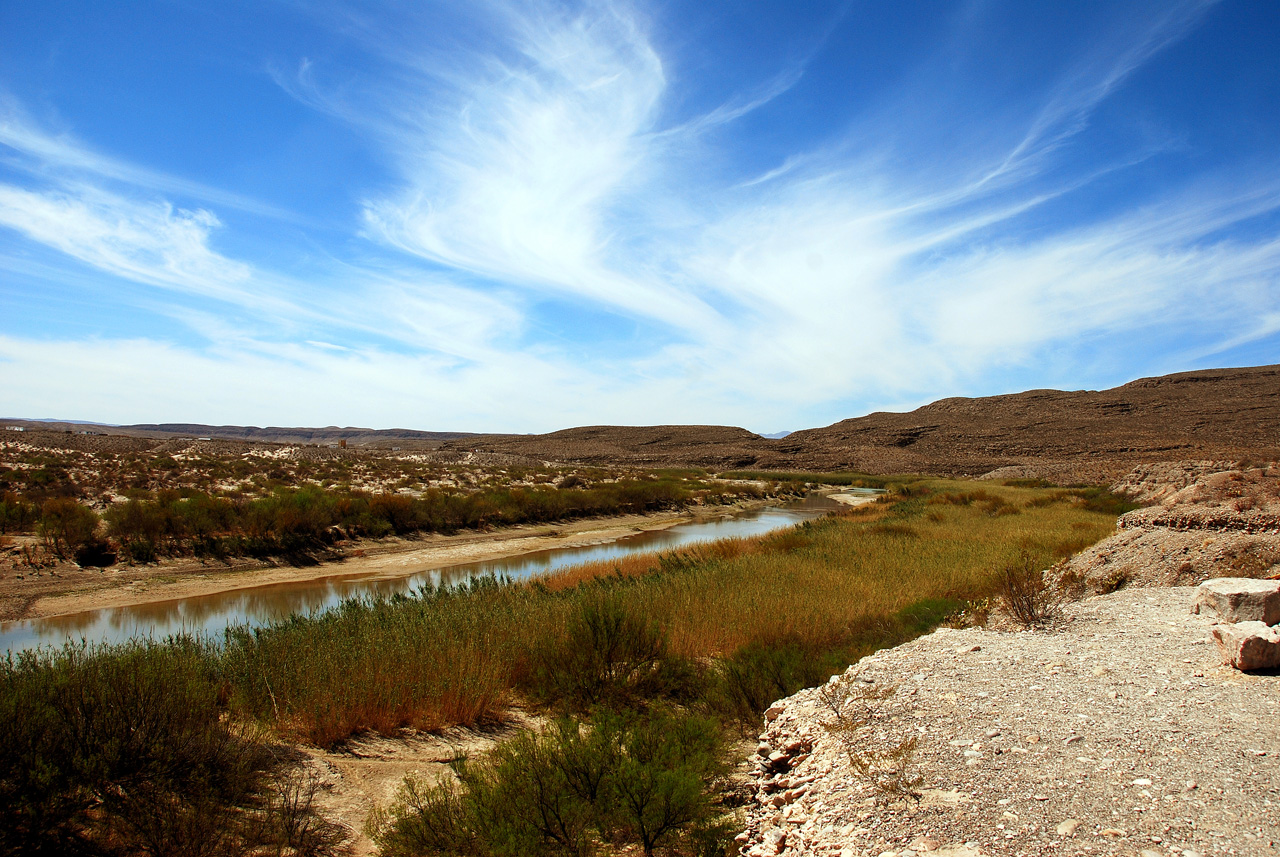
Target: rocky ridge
(1062, 436)
(1210, 519)
(1066, 437)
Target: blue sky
(523, 216)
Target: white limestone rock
(1248, 645)
(1239, 599)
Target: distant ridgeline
(1061, 436)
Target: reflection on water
(211, 614)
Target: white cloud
(147, 242)
(62, 157)
(525, 175)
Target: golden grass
(832, 585)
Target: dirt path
(1118, 731)
(367, 772)
(27, 594)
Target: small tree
(65, 525)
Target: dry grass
(796, 602)
(832, 578)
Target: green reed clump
(728, 627)
(445, 657)
(304, 520)
(606, 657)
(124, 750)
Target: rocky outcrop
(1208, 523)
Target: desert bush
(746, 682)
(1111, 580)
(639, 779)
(124, 751)
(886, 763)
(16, 514)
(1025, 594)
(608, 656)
(1097, 499)
(66, 525)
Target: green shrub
(16, 514)
(1101, 500)
(641, 779)
(124, 751)
(66, 525)
(749, 680)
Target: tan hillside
(1067, 436)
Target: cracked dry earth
(1115, 732)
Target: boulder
(1240, 599)
(1248, 645)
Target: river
(257, 606)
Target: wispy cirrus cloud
(35, 150)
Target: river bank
(68, 589)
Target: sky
(522, 216)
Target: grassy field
(716, 631)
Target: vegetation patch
(658, 659)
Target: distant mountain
(1065, 436)
(361, 437)
(777, 435)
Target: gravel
(1115, 731)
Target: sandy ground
(366, 773)
(27, 594)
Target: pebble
(1067, 827)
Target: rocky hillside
(354, 436)
(719, 447)
(1086, 436)
(1218, 413)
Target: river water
(257, 606)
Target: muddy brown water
(257, 606)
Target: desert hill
(718, 447)
(1071, 436)
(1216, 413)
